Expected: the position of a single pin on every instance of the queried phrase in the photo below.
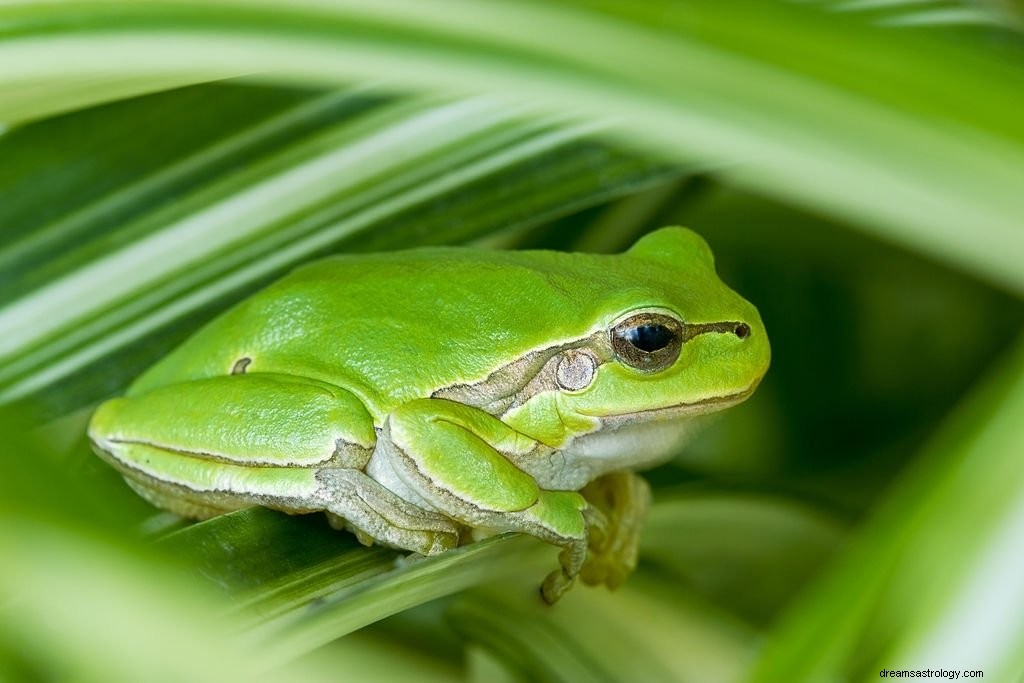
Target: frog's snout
(755, 347)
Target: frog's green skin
(425, 397)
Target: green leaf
(941, 555)
(712, 540)
(114, 617)
(802, 104)
(991, 13)
(131, 223)
(299, 584)
(633, 634)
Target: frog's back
(395, 326)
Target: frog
(428, 398)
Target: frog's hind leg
(374, 513)
(196, 488)
(288, 443)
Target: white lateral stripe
(254, 459)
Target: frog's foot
(373, 513)
(560, 518)
(341, 524)
(573, 557)
(624, 498)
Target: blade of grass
(809, 106)
(272, 563)
(648, 630)
(711, 541)
(299, 584)
(116, 617)
(936, 12)
(350, 607)
(931, 580)
(37, 99)
(149, 154)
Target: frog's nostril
(742, 330)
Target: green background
(857, 167)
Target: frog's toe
(609, 570)
(555, 586)
(337, 522)
(442, 541)
(594, 573)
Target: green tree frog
(430, 397)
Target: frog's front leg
(624, 498)
(458, 460)
(208, 446)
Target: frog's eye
(647, 341)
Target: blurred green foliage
(858, 169)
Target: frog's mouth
(711, 404)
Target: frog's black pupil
(650, 338)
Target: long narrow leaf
(785, 109)
(932, 581)
(594, 635)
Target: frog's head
(673, 341)
(685, 343)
